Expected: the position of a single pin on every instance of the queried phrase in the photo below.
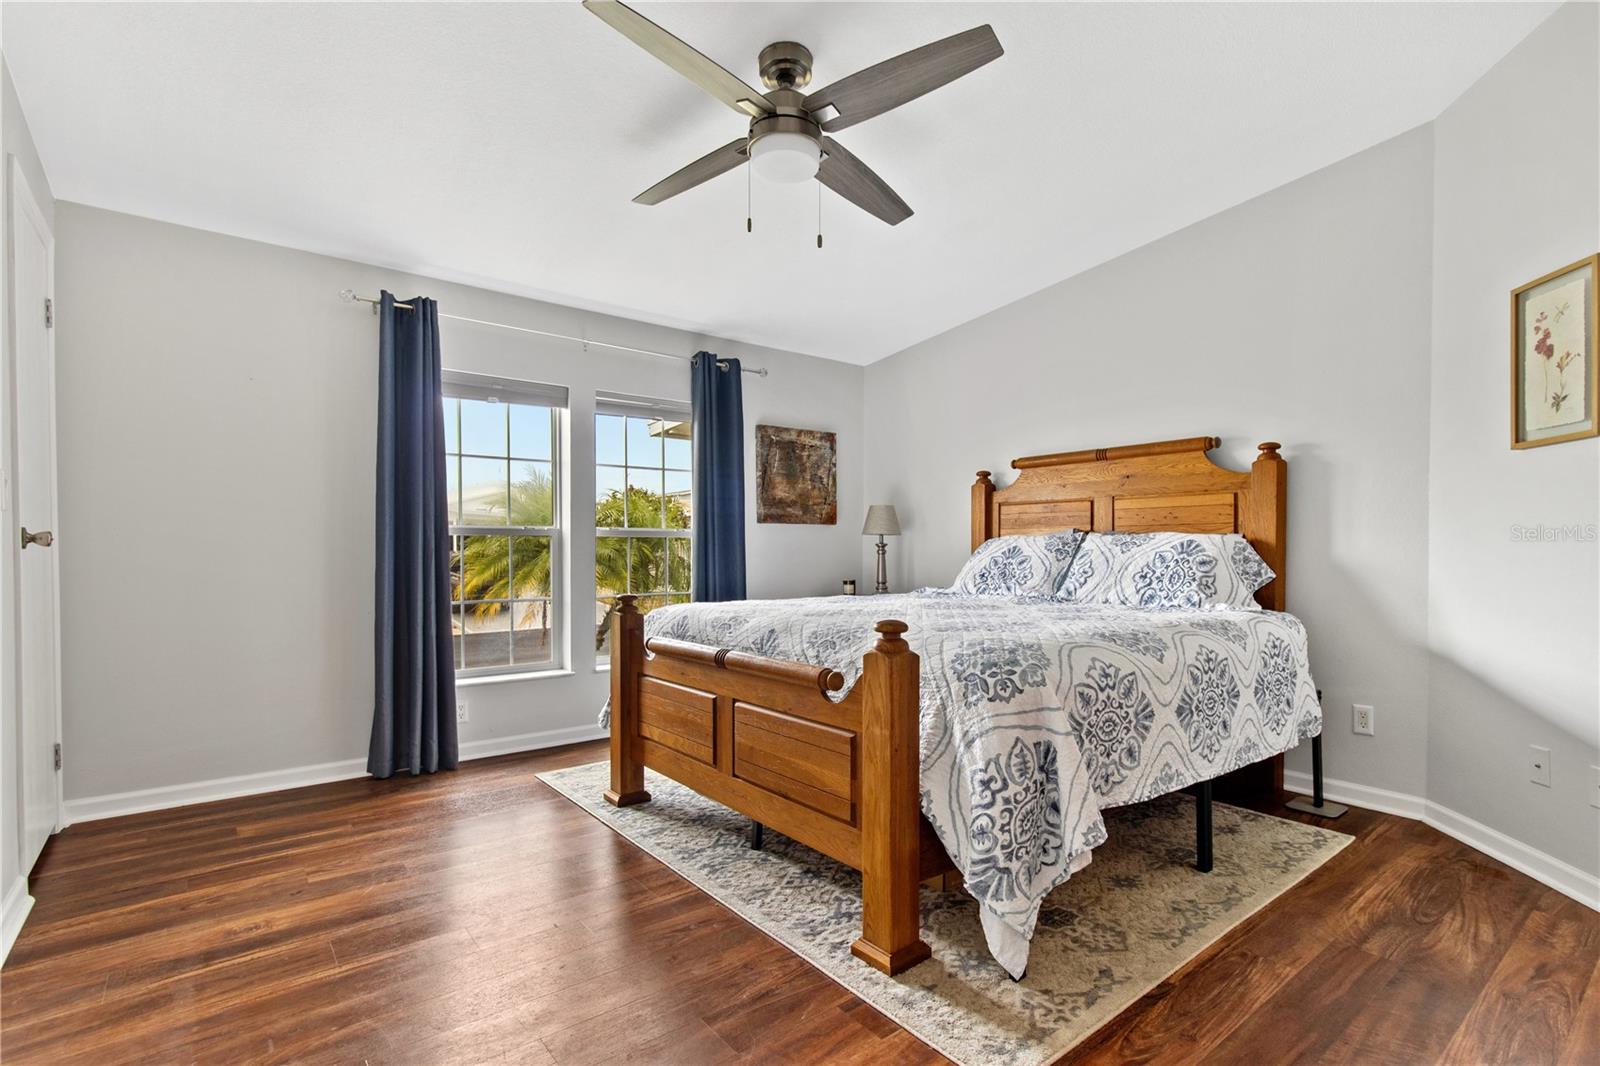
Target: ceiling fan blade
(855, 181)
(711, 77)
(902, 79)
(701, 170)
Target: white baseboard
(115, 805)
(13, 912)
(1561, 876)
(1373, 799)
(549, 738)
(1546, 869)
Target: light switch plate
(1539, 765)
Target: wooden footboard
(762, 737)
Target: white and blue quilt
(1037, 714)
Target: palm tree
(658, 562)
(489, 571)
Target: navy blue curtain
(718, 424)
(413, 714)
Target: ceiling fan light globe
(786, 157)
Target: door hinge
(49, 313)
(58, 755)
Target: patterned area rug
(1107, 936)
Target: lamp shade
(786, 157)
(881, 521)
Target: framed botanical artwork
(797, 473)
(1555, 390)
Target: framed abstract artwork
(1555, 391)
(797, 473)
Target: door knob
(44, 538)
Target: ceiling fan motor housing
(785, 65)
(789, 116)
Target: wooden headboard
(1137, 488)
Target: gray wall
(15, 141)
(217, 426)
(1513, 624)
(1301, 317)
(1358, 316)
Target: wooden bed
(762, 737)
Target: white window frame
(642, 407)
(462, 385)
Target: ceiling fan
(788, 138)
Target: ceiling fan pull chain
(819, 214)
(747, 225)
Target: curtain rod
(349, 296)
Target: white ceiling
(501, 144)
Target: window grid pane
(483, 428)
(678, 564)
(678, 451)
(532, 432)
(645, 508)
(532, 494)
(610, 448)
(484, 491)
(486, 634)
(531, 629)
(608, 485)
(530, 567)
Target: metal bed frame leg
(1316, 771)
(758, 835)
(1316, 805)
(1202, 827)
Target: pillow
(1019, 566)
(1166, 571)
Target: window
(501, 451)
(643, 509)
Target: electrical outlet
(1594, 793)
(461, 710)
(1361, 719)
(1539, 765)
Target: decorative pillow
(1019, 566)
(1166, 571)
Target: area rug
(1106, 937)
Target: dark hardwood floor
(479, 917)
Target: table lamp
(882, 521)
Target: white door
(33, 250)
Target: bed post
(891, 920)
(627, 663)
(982, 500)
(1266, 520)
